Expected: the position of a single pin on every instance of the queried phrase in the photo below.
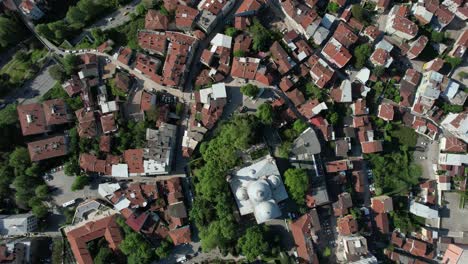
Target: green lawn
(19, 70)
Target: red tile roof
(453, 144)
(417, 46)
(296, 97)
(86, 123)
(386, 112)
(185, 16)
(336, 166)
(347, 225)
(105, 143)
(382, 204)
(336, 53)
(371, 147)
(372, 32)
(345, 35)
(286, 84)
(125, 55)
(382, 223)
(320, 71)
(32, 119)
(214, 7)
(79, 237)
(380, 57)
(48, 148)
(136, 222)
(73, 86)
(249, 7)
(154, 20)
(180, 235)
(301, 231)
(245, 68)
(134, 160)
(241, 23)
(281, 58)
(153, 41)
(108, 123)
(56, 112)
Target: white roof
(320, 35)
(205, 95)
(346, 91)
(328, 20)
(453, 159)
(383, 44)
(423, 210)
(452, 89)
(120, 170)
(221, 40)
(122, 204)
(317, 109)
(219, 90)
(106, 189)
(153, 167)
(363, 75)
(258, 188)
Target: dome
(265, 211)
(274, 181)
(259, 191)
(241, 194)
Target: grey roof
(160, 143)
(177, 210)
(84, 209)
(20, 224)
(306, 144)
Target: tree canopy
(249, 90)
(361, 54)
(297, 182)
(262, 37)
(265, 113)
(253, 243)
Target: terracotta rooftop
(242, 42)
(48, 148)
(245, 68)
(185, 16)
(86, 123)
(55, 112)
(336, 53)
(134, 160)
(320, 71)
(105, 143)
(382, 222)
(108, 123)
(453, 144)
(32, 119)
(386, 112)
(337, 166)
(125, 55)
(79, 237)
(345, 35)
(417, 46)
(181, 235)
(371, 147)
(281, 58)
(73, 86)
(154, 20)
(249, 7)
(296, 97)
(347, 225)
(382, 204)
(301, 230)
(153, 41)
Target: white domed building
(258, 189)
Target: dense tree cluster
(361, 55)
(11, 31)
(250, 90)
(266, 113)
(213, 205)
(254, 243)
(297, 182)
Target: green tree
(265, 113)
(76, 17)
(72, 168)
(19, 159)
(261, 36)
(314, 91)
(333, 7)
(40, 210)
(284, 149)
(231, 31)
(333, 118)
(42, 191)
(10, 31)
(253, 243)
(250, 90)
(378, 71)
(136, 249)
(299, 126)
(239, 53)
(297, 182)
(45, 31)
(104, 256)
(80, 182)
(164, 249)
(437, 37)
(361, 54)
(70, 63)
(8, 115)
(57, 73)
(141, 9)
(453, 61)
(358, 12)
(463, 75)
